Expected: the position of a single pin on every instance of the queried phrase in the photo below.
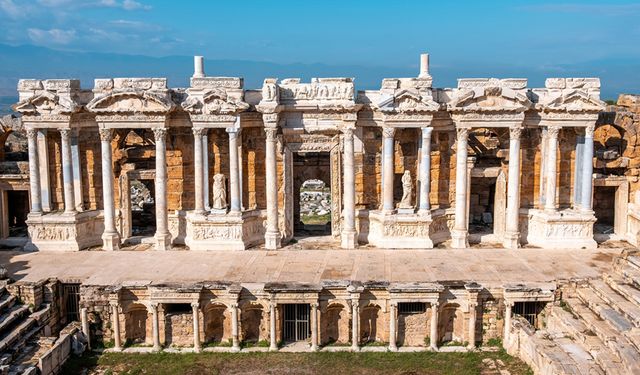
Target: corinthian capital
(159, 134)
(106, 135)
(515, 133)
(553, 131)
(588, 131)
(388, 132)
(462, 134)
(271, 133)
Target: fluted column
(512, 232)
(155, 326)
(314, 326)
(272, 233)
(115, 321)
(459, 232)
(552, 157)
(67, 172)
(34, 172)
(387, 169)
(433, 334)
(507, 321)
(472, 325)
(162, 236)
(272, 327)
(205, 168)
(355, 325)
(393, 322)
(110, 236)
(587, 169)
(198, 170)
(195, 307)
(349, 239)
(425, 170)
(235, 340)
(234, 173)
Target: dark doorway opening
(295, 322)
(604, 207)
(143, 208)
(18, 209)
(71, 298)
(482, 204)
(530, 311)
(312, 187)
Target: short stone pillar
(34, 172)
(507, 322)
(162, 236)
(272, 233)
(425, 171)
(235, 340)
(198, 170)
(195, 307)
(459, 233)
(110, 236)
(387, 168)
(115, 321)
(551, 168)
(349, 235)
(273, 346)
(512, 230)
(155, 326)
(84, 320)
(393, 323)
(67, 172)
(587, 170)
(472, 325)
(355, 325)
(433, 334)
(314, 327)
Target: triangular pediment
(490, 99)
(131, 102)
(575, 100)
(215, 101)
(45, 103)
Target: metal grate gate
(529, 311)
(296, 322)
(71, 296)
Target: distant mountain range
(29, 61)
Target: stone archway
(217, 323)
(451, 324)
(334, 325)
(136, 319)
(372, 324)
(252, 323)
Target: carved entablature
(408, 102)
(52, 100)
(569, 101)
(215, 100)
(321, 94)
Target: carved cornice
(132, 102)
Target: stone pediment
(132, 102)
(215, 101)
(490, 99)
(572, 101)
(46, 103)
(408, 101)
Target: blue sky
(515, 36)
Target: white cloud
(126, 4)
(11, 9)
(52, 36)
(135, 25)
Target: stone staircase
(595, 329)
(20, 331)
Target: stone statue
(219, 192)
(407, 190)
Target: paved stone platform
(490, 267)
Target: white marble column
(387, 168)
(234, 172)
(110, 236)
(34, 172)
(552, 160)
(205, 169)
(512, 230)
(273, 346)
(84, 321)
(507, 322)
(433, 334)
(393, 323)
(195, 307)
(472, 325)
(67, 172)
(162, 236)
(43, 165)
(349, 237)
(115, 321)
(272, 234)
(459, 232)
(155, 326)
(76, 166)
(235, 338)
(198, 170)
(425, 170)
(314, 326)
(355, 325)
(587, 170)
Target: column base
(156, 348)
(349, 239)
(459, 239)
(511, 240)
(163, 241)
(273, 348)
(272, 240)
(235, 349)
(393, 348)
(110, 241)
(355, 348)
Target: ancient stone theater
(218, 217)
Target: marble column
(552, 160)
(110, 236)
(587, 170)
(425, 171)
(234, 172)
(512, 230)
(393, 322)
(314, 326)
(507, 321)
(84, 320)
(273, 346)
(235, 340)
(198, 170)
(472, 325)
(115, 321)
(459, 233)
(433, 334)
(34, 172)
(162, 236)
(195, 307)
(272, 234)
(349, 236)
(43, 166)
(155, 326)
(387, 168)
(76, 168)
(67, 172)
(355, 325)
(205, 169)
